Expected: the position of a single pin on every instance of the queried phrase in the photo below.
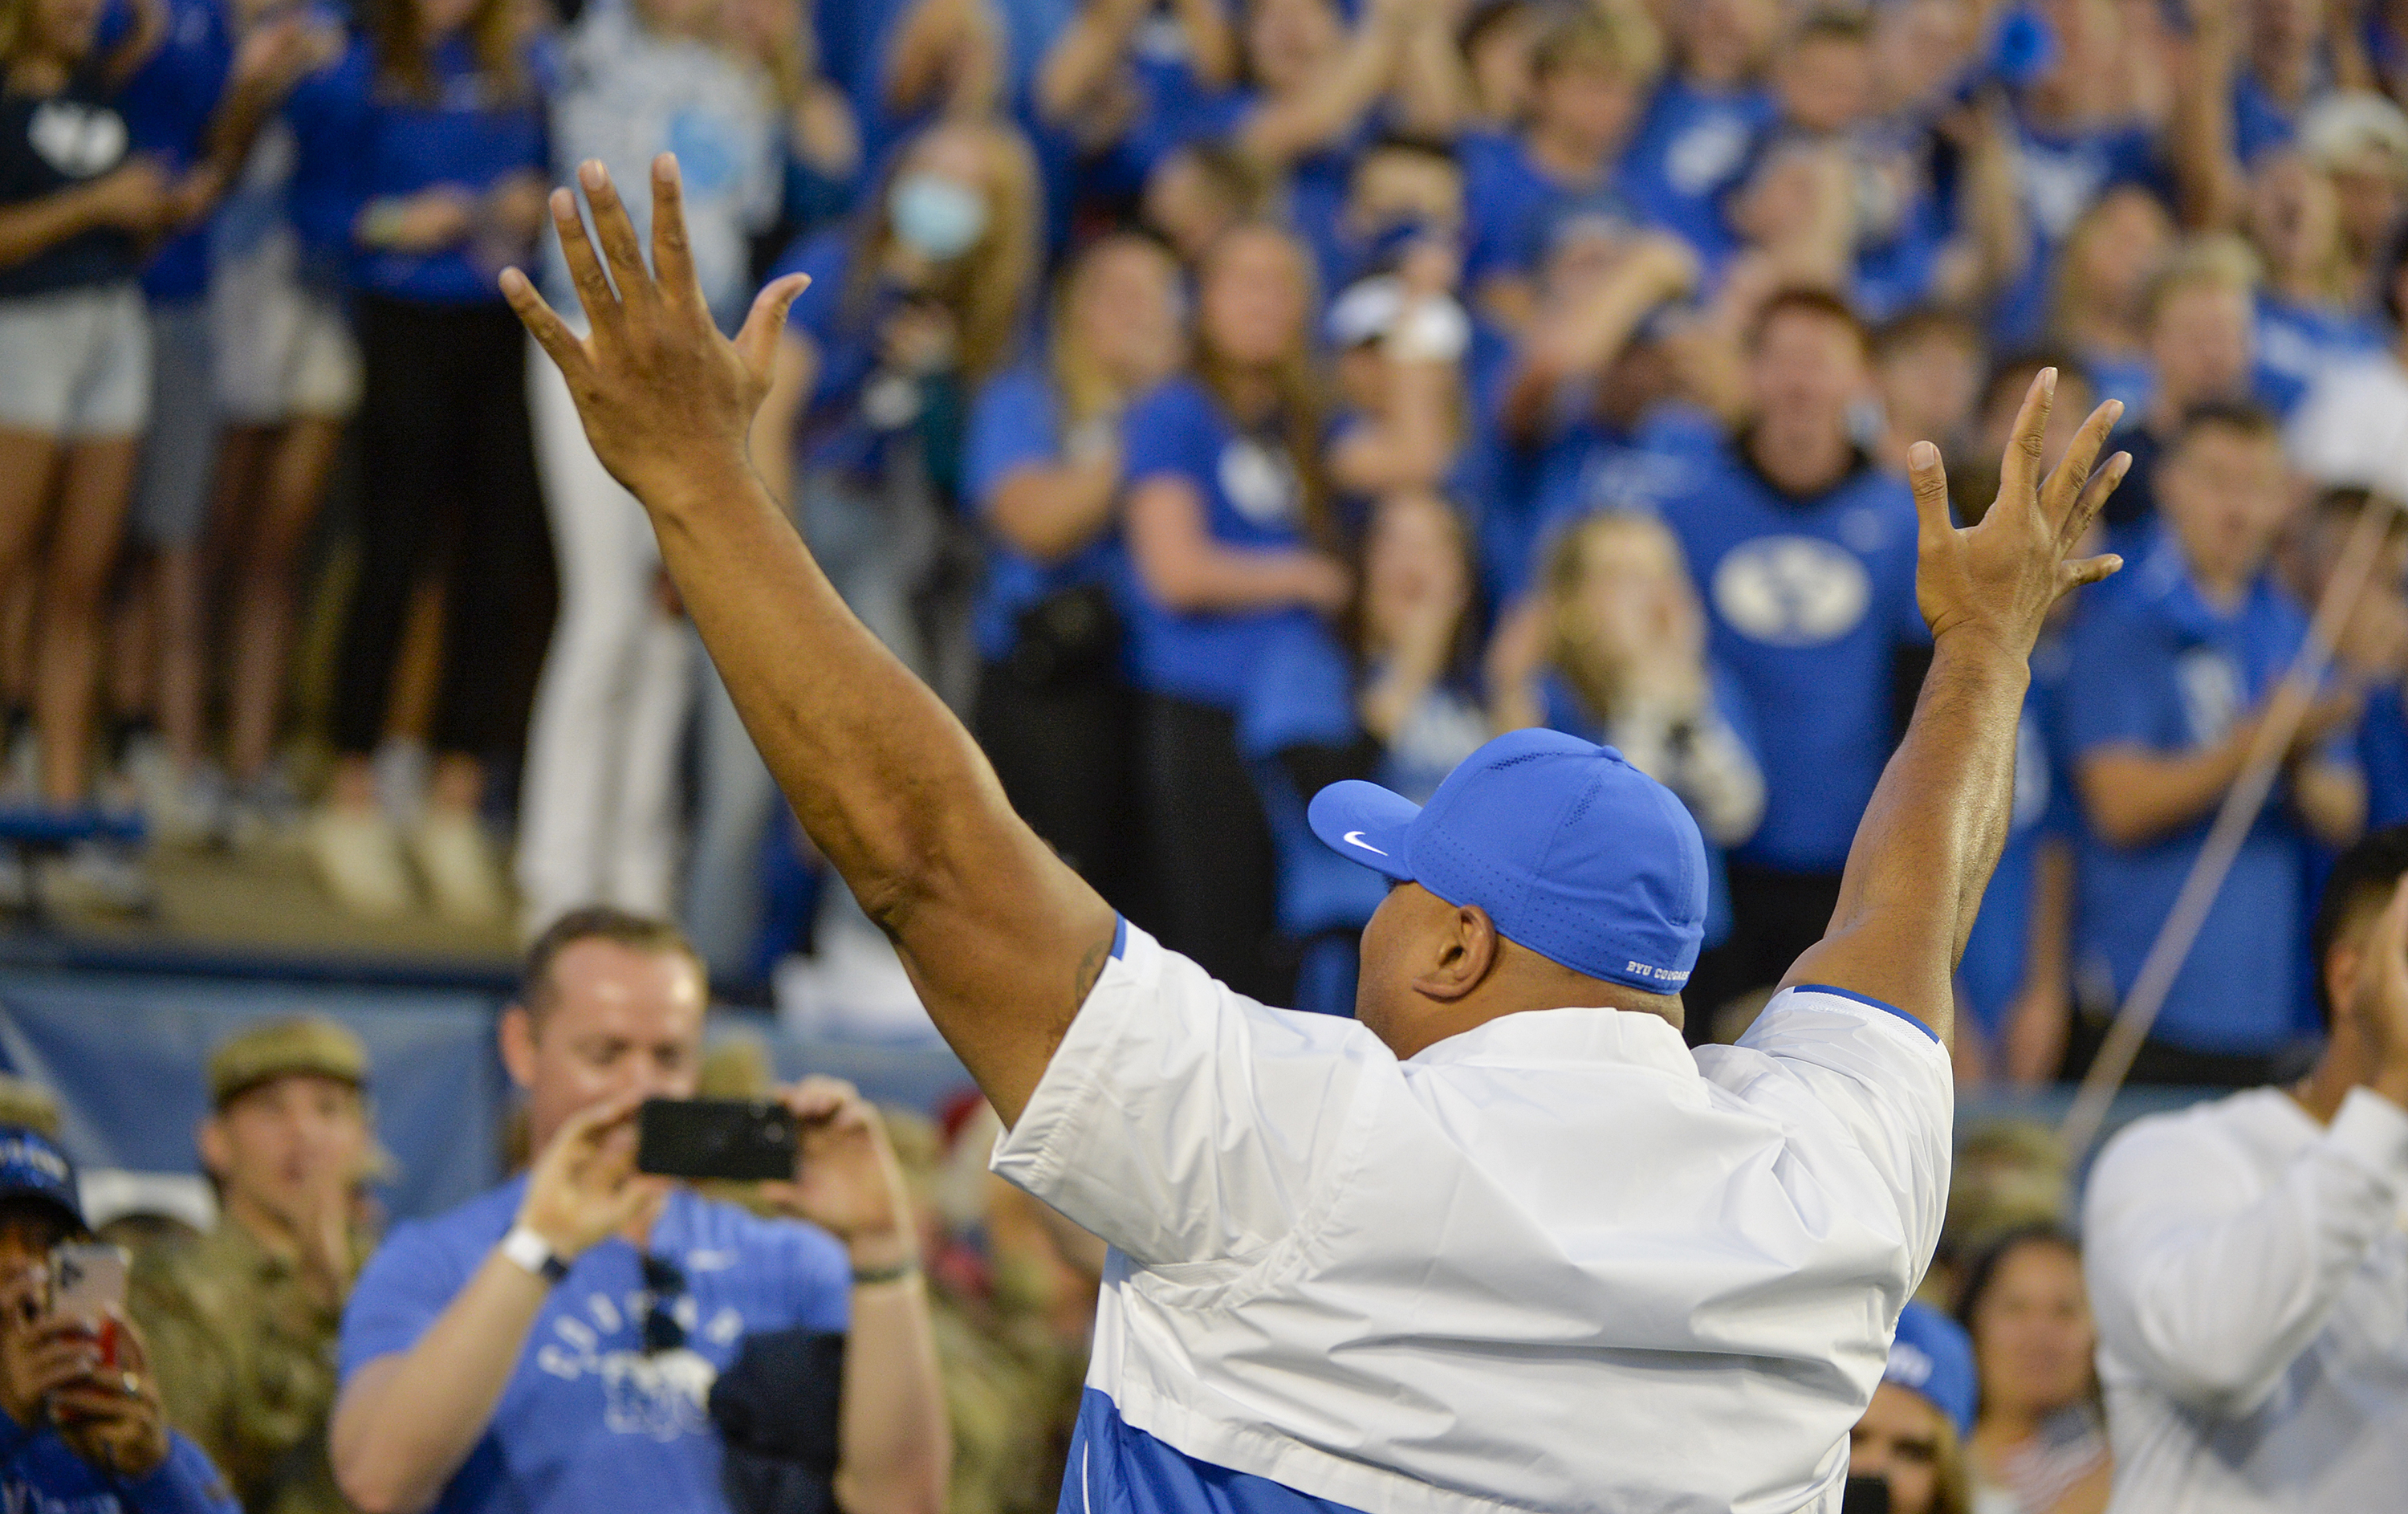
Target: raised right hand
(584, 1187)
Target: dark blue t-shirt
(1810, 601)
(168, 106)
(1512, 205)
(2383, 753)
(2063, 174)
(63, 142)
(589, 1422)
(2154, 666)
(40, 1475)
(2297, 342)
(1249, 489)
(1691, 147)
(384, 145)
(1016, 423)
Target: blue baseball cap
(33, 1167)
(1932, 1355)
(1573, 852)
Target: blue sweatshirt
(360, 142)
(39, 1475)
(168, 106)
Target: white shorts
(283, 348)
(77, 361)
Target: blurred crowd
(1211, 401)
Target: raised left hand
(846, 1180)
(664, 398)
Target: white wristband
(531, 1253)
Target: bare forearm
(38, 226)
(894, 1450)
(1051, 512)
(1089, 50)
(406, 1423)
(2134, 796)
(1212, 577)
(1930, 838)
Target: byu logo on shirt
(1703, 157)
(1260, 481)
(2211, 694)
(1791, 591)
(78, 140)
(662, 1394)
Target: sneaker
(358, 857)
(183, 807)
(462, 870)
(96, 877)
(401, 770)
(265, 813)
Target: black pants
(1065, 751)
(1213, 882)
(1774, 917)
(451, 488)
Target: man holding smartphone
(81, 1425)
(551, 1347)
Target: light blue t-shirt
(590, 1423)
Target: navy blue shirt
(590, 1422)
(1248, 486)
(40, 1475)
(2383, 753)
(2154, 666)
(1809, 600)
(57, 142)
(1015, 423)
(384, 145)
(168, 106)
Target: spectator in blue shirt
(2310, 311)
(76, 207)
(1387, 696)
(2168, 680)
(1612, 648)
(2098, 313)
(1590, 78)
(436, 111)
(1803, 550)
(552, 1345)
(1227, 516)
(82, 1424)
(1042, 468)
(1700, 129)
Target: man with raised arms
(1501, 1241)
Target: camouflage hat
(282, 1047)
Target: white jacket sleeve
(2209, 1283)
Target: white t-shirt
(2350, 429)
(1559, 1261)
(2250, 1280)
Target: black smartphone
(731, 1140)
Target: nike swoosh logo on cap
(1354, 837)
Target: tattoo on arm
(1091, 967)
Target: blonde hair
(1567, 570)
(986, 287)
(1087, 390)
(2221, 261)
(1296, 380)
(1615, 34)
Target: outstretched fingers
(2072, 484)
(2019, 470)
(544, 324)
(1930, 477)
(2092, 499)
(594, 289)
(757, 343)
(672, 258)
(617, 233)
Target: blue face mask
(935, 217)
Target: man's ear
(517, 1037)
(1468, 956)
(210, 1139)
(2341, 966)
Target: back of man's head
(2361, 882)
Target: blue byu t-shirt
(1691, 147)
(589, 1423)
(39, 1474)
(2154, 666)
(168, 106)
(1248, 486)
(1809, 600)
(1015, 423)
